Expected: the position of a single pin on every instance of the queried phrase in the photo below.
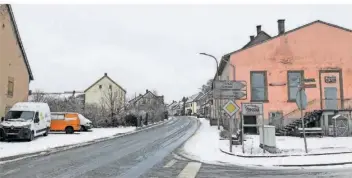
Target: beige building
(15, 72)
(105, 89)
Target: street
(151, 153)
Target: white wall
(95, 94)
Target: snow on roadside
(54, 140)
(204, 146)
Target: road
(147, 154)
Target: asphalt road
(126, 157)
(147, 154)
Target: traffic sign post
(231, 108)
(301, 101)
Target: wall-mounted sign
(252, 109)
(330, 79)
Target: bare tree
(206, 87)
(113, 104)
(38, 96)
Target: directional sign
(229, 94)
(230, 85)
(310, 86)
(301, 99)
(309, 80)
(231, 108)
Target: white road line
(190, 171)
(170, 163)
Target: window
(293, 81)
(10, 87)
(110, 87)
(100, 86)
(259, 87)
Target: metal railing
(314, 104)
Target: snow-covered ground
(205, 146)
(54, 140)
(292, 146)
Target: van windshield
(19, 116)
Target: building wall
(313, 48)
(11, 64)
(94, 95)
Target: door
(330, 97)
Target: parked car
(26, 120)
(68, 122)
(86, 124)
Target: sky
(155, 47)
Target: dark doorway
(250, 120)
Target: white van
(86, 124)
(26, 120)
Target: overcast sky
(142, 47)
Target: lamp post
(218, 77)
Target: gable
(107, 80)
(6, 10)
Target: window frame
(10, 94)
(288, 83)
(266, 98)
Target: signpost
(226, 89)
(252, 109)
(231, 108)
(301, 101)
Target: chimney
(105, 74)
(146, 90)
(251, 37)
(281, 26)
(259, 29)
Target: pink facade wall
(313, 48)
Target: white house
(103, 89)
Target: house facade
(102, 90)
(274, 68)
(147, 106)
(15, 72)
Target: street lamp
(218, 76)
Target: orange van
(65, 121)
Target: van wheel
(46, 132)
(31, 136)
(69, 130)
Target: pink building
(274, 66)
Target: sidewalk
(205, 146)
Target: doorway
(252, 120)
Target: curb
(312, 165)
(77, 145)
(278, 156)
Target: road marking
(190, 171)
(170, 163)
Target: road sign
(310, 86)
(231, 108)
(309, 80)
(301, 99)
(230, 85)
(230, 94)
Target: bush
(131, 120)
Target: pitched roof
(226, 57)
(294, 30)
(102, 79)
(141, 96)
(18, 37)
